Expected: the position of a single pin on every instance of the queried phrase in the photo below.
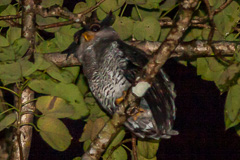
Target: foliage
(64, 92)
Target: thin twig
(219, 9)
(8, 17)
(223, 6)
(59, 24)
(212, 30)
(116, 147)
(134, 147)
(210, 16)
(91, 9)
(56, 11)
(13, 24)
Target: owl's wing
(160, 97)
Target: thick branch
(23, 135)
(184, 51)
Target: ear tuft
(108, 21)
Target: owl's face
(93, 35)
(90, 35)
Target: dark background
(200, 121)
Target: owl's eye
(95, 27)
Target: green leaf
(42, 86)
(216, 3)
(68, 92)
(77, 158)
(40, 62)
(155, 13)
(60, 74)
(74, 70)
(48, 46)
(101, 14)
(5, 2)
(87, 131)
(151, 4)
(214, 64)
(27, 67)
(149, 29)
(20, 47)
(228, 122)
(217, 35)
(164, 33)
(229, 77)
(3, 41)
(10, 10)
(47, 3)
(97, 127)
(13, 34)
(232, 102)
(2, 8)
(143, 158)
(118, 154)
(207, 73)
(90, 3)
(95, 111)
(71, 93)
(82, 84)
(137, 2)
(147, 149)
(86, 144)
(64, 37)
(54, 107)
(167, 5)
(7, 121)
(10, 73)
(54, 132)
(227, 18)
(79, 7)
(111, 5)
(120, 26)
(193, 34)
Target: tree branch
(185, 50)
(56, 11)
(163, 53)
(13, 24)
(23, 135)
(53, 25)
(9, 17)
(223, 6)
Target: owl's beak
(87, 36)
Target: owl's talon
(140, 110)
(120, 99)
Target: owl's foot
(120, 99)
(140, 111)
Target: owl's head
(92, 31)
